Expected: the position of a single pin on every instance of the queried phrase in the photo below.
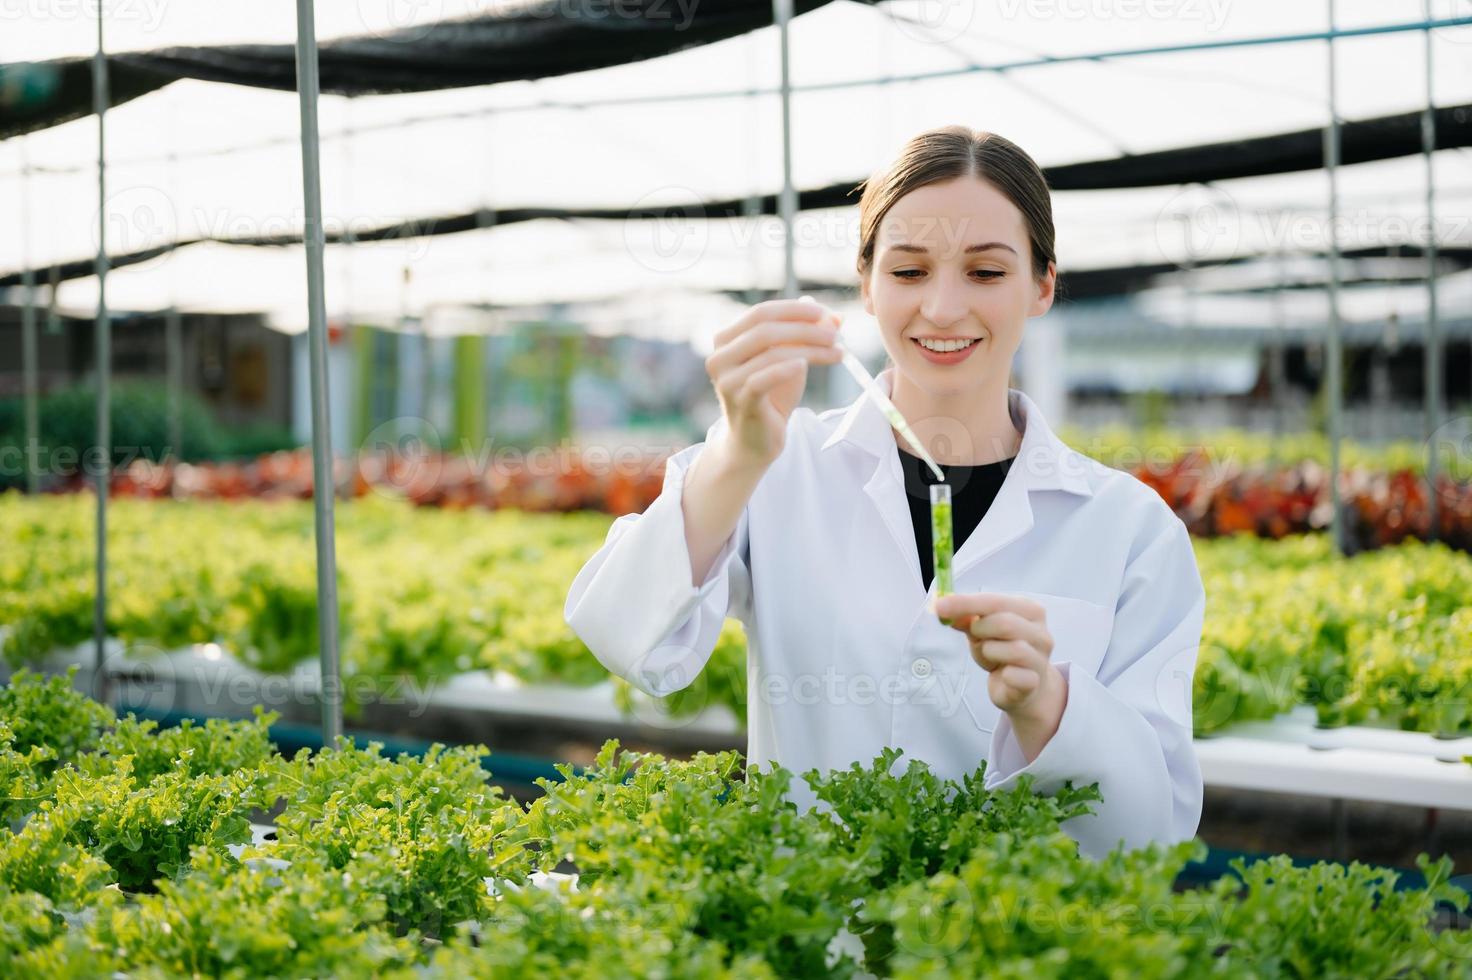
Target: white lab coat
(845, 658)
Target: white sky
(683, 151)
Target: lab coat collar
(1043, 463)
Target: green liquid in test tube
(941, 537)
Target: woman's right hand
(759, 369)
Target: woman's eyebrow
(969, 250)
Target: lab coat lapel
(886, 488)
(864, 426)
(1010, 515)
(1042, 463)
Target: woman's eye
(983, 273)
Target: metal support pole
(345, 220)
(173, 329)
(1188, 333)
(1277, 366)
(53, 318)
(28, 356)
(322, 478)
(174, 371)
(1432, 348)
(751, 208)
(1334, 381)
(787, 203)
(102, 355)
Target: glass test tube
(941, 538)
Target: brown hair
(938, 155)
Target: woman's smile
(938, 351)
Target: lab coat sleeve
(633, 603)
(1129, 729)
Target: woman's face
(952, 263)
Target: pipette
(940, 493)
(866, 381)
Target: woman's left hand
(1010, 639)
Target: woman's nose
(945, 301)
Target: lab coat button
(921, 667)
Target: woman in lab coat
(1068, 647)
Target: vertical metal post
(1334, 379)
(174, 371)
(345, 202)
(1277, 368)
(102, 355)
(322, 478)
(1432, 341)
(28, 356)
(411, 387)
(787, 203)
(53, 318)
(1188, 334)
(173, 329)
(751, 209)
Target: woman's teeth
(944, 346)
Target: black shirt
(973, 488)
